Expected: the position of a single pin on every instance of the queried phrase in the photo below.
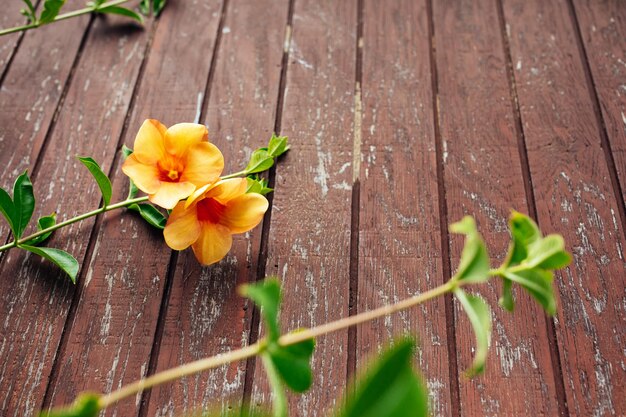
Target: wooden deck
(403, 116)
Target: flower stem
(286, 340)
(63, 16)
(235, 175)
(78, 218)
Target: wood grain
(309, 242)
(483, 178)
(400, 245)
(111, 340)
(205, 315)
(575, 198)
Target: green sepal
(62, 259)
(266, 295)
(293, 363)
(104, 183)
(260, 161)
(390, 387)
(23, 203)
(85, 405)
(150, 214)
(42, 224)
(51, 9)
(474, 263)
(479, 315)
(277, 145)
(122, 11)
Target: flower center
(170, 169)
(173, 174)
(210, 210)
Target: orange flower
(169, 164)
(211, 215)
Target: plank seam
(255, 316)
(555, 356)
(602, 130)
(453, 370)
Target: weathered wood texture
(205, 315)
(400, 244)
(574, 196)
(309, 242)
(419, 122)
(483, 177)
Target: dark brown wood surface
(403, 116)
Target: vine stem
(78, 218)
(236, 174)
(286, 340)
(63, 16)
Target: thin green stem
(279, 403)
(242, 173)
(63, 16)
(286, 340)
(78, 218)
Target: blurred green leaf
(30, 13)
(144, 7)
(24, 203)
(479, 316)
(42, 224)
(524, 231)
(85, 405)
(266, 294)
(474, 264)
(150, 214)
(8, 210)
(260, 161)
(157, 6)
(122, 11)
(126, 151)
(507, 301)
(104, 183)
(293, 364)
(389, 388)
(62, 259)
(548, 253)
(51, 9)
(277, 145)
(538, 283)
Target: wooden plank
(603, 31)
(34, 300)
(400, 241)
(10, 17)
(483, 178)
(205, 315)
(111, 338)
(309, 238)
(575, 198)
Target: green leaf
(277, 145)
(259, 186)
(104, 183)
(42, 224)
(507, 301)
(24, 203)
(85, 405)
(524, 231)
(144, 7)
(150, 214)
(62, 259)
(538, 283)
(389, 388)
(51, 9)
(293, 364)
(126, 151)
(548, 253)
(259, 161)
(122, 11)
(8, 210)
(474, 264)
(157, 6)
(266, 295)
(479, 316)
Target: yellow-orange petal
(226, 190)
(149, 147)
(170, 193)
(145, 177)
(180, 137)
(213, 243)
(197, 194)
(182, 228)
(204, 164)
(244, 212)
